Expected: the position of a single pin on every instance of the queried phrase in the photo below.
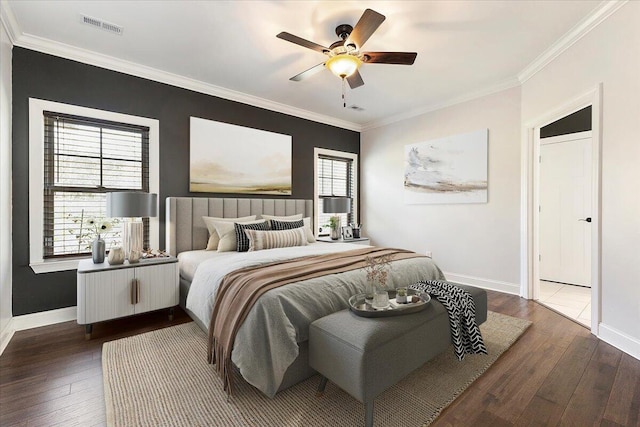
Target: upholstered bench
(365, 356)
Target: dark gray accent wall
(37, 75)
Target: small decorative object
(356, 231)
(334, 224)
(347, 232)
(376, 270)
(401, 295)
(116, 255)
(134, 256)
(98, 248)
(380, 300)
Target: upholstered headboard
(187, 231)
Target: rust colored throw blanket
(239, 290)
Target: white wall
(472, 243)
(609, 54)
(5, 184)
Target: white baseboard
(620, 340)
(35, 320)
(6, 335)
(494, 285)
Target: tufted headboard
(187, 231)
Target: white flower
(104, 226)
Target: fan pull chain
(344, 100)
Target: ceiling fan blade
(308, 73)
(302, 42)
(367, 25)
(400, 58)
(355, 80)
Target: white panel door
(158, 287)
(565, 211)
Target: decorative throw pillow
(259, 240)
(214, 237)
(307, 226)
(242, 241)
(227, 233)
(286, 225)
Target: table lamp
(133, 206)
(336, 205)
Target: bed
(270, 349)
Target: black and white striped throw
(465, 333)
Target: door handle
(585, 219)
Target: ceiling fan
(346, 55)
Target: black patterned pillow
(242, 241)
(286, 225)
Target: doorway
(564, 220)
(585, 261)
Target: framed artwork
(227, 158)
(347, 232)
(447, 170)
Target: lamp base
(132, 240)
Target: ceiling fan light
(343, 65)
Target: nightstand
(111, 291)
(358, 241)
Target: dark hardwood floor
(556, 374)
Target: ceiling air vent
(97, 23)
(356, 108)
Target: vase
(116, 255)
(134, 256)
(97, 250)
(369, 291)
(335, 234)
(380, 300)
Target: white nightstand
(110, 291)
(358, 241)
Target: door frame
(530, 177)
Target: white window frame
(37, 107)
(317, 153)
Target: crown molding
(507, 84)
(105, 61)
(9, 22)
(581, 29)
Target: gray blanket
(267, 343)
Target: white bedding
(206, 269)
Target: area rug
(162, 378)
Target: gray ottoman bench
(365, 356)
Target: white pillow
(296, 217)
(214, 238)
(271, 239)
(227, 232)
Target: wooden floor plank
(589, 400)
(623, 406)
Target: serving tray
(361, 308)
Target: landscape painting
(234, 159)
(447, 170)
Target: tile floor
(572, 301)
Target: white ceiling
(229, 48)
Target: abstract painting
(234, 159)
(447, 170)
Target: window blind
(84, 159)
(335, 178)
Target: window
(83, 160)
(76, 155)
(336, 174)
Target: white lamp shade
(131, 204)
